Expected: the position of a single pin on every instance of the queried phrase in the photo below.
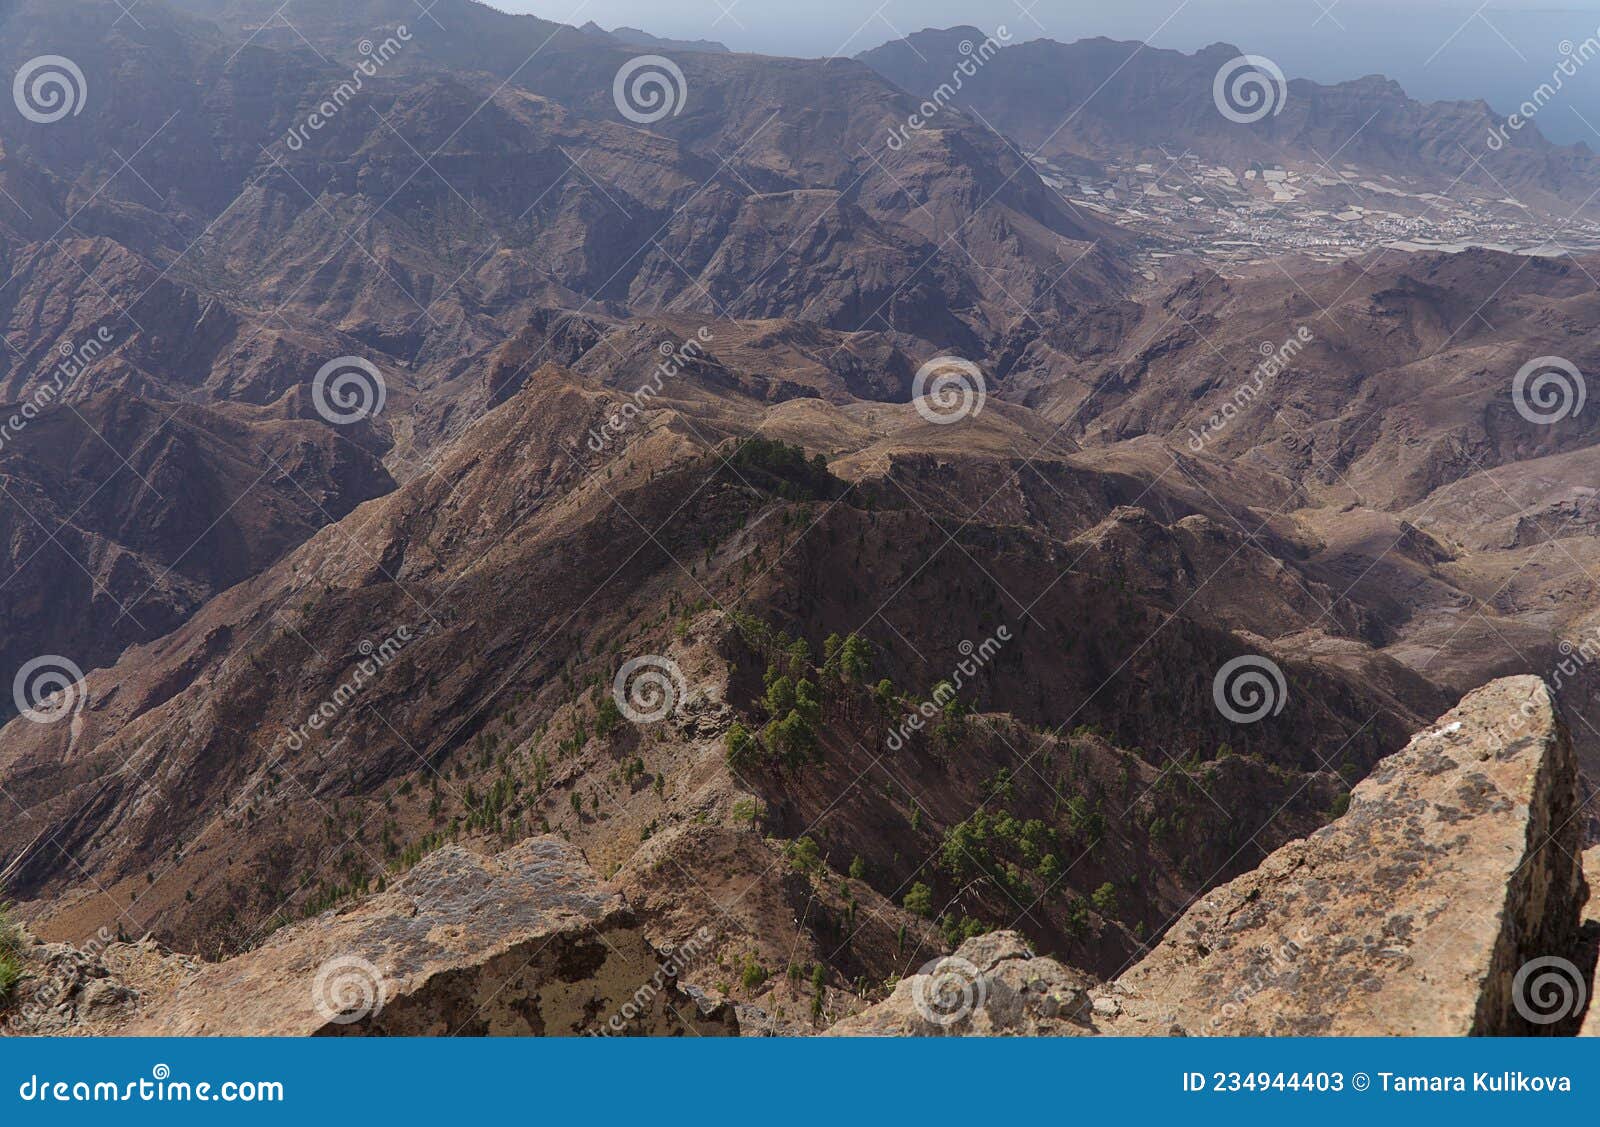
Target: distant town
(1184, 207)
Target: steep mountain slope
(1469, 831)
(210, 246)
(124, 515)
(401, 210)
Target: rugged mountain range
(658, 392)
(1078, 103)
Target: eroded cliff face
(1449, 900)
(528, 943)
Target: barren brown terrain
(789, 557)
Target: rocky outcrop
(91, 989)
(992, 985)
(1455, 867)
(526, 943)
(1447, 901)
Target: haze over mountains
(442, 380)
(1080, 101)
(1439, 50)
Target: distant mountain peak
(636, 38)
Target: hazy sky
(1435, 48)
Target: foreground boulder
(525, 943)
(1447, 901)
